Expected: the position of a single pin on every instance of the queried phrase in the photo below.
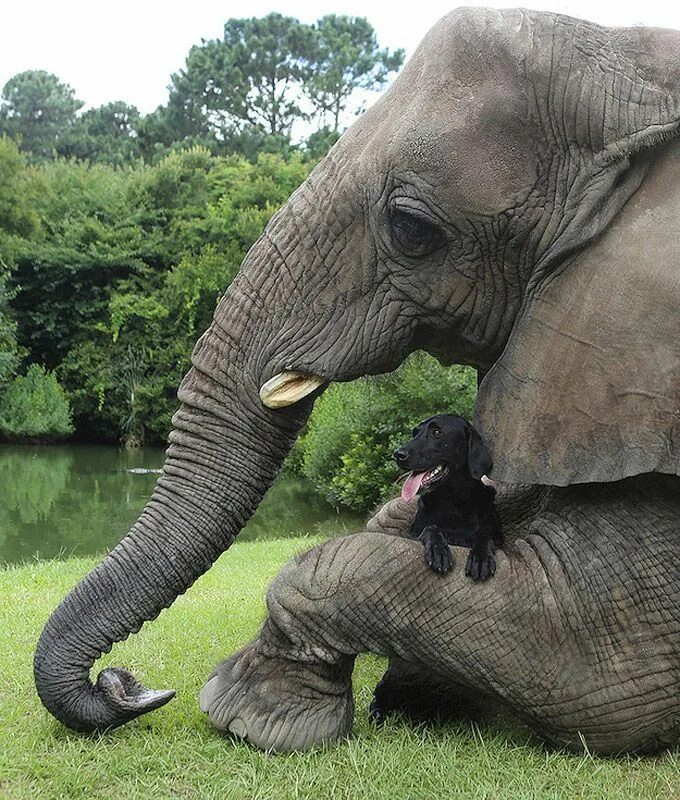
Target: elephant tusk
(288, 387)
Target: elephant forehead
(459, 117)
(479, 158)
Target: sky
(127, 50)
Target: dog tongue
(411, 485)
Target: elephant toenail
(207, 694)
(238, 728)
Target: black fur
(455, 507)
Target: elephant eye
(414, 234)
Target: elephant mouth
(289, 387)
(423, 482)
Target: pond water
(81, 499)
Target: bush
(347, 449)
(122, 271)
(35, 408)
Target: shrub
(347, 449)
(35, 408)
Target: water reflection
(291, 508)
(31, 481)
(81, 500)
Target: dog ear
(479, 458)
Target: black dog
(447, 458)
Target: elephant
(510, 204)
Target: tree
(320, 142)
(170, 129)
(249, 78)
(107, 134)
(17, 216)
(35, 408)
(87, 239)
(17, 219)
(9, 349)
(121, 338)
(346, 58)
(355, 427)
(39, 111)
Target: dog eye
(414, 234)
(436, 433)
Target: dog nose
(400, 455)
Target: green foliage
(86, 240)
(39, 111)
(89, 378)
(123, 269)
(320, 142)
(10, 352)
(17, 217)
(347, 449)
(108, 134)
(346, 58)
(35, 408)
(119, 233)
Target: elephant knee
(300, 605)
(322, 599)
(393, 519)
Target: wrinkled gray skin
(577, 632)
(542, 150)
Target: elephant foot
(278, 704)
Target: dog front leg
(481, 562)
(437, 552)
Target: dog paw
(481, 564)
(438, 556)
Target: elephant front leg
(278, 699)
(580, 661)
(291, 688)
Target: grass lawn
(174, 753)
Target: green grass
(174, 753)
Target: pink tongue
(411, 485)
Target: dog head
(443, 448)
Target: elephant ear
(588, 386)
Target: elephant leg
(410, 689)
(394, 518)
(280, 696)
(413, 690)
(517, 507)
(291, 688)
(577, 632)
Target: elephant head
(506, 204)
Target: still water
(81, 499)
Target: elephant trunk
(225, 451)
